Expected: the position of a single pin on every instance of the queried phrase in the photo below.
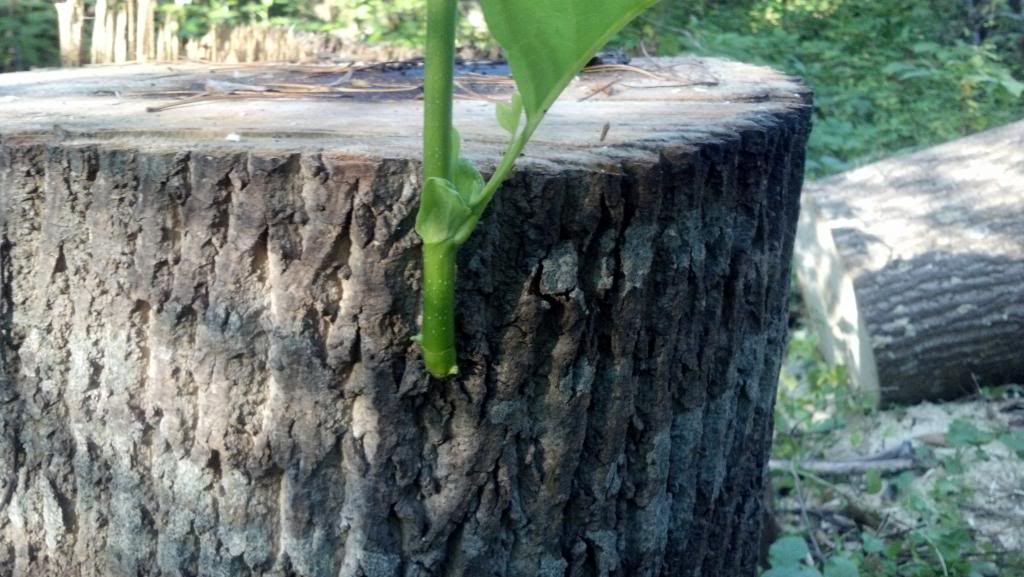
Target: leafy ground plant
(887, 76)
(956, 514)
(546, 43)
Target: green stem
(438, 338)
(438, 89)
(508, 162)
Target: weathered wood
(208, 365)
(913, 267)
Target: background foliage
(921, 524)
(28, 35)
(887, 75)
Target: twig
(470, 94)
(836, 517)
(862, 515)
(621, 68)
(846, 468)
(678, 85)
(942, 560)
(211, 96)
(803, 513)
(189, 100)
(895, 460)
(602, 88)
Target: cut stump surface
(207, 318)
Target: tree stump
(912, 268)
(208, 313)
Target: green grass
(887, 76)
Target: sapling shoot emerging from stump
(547, 42)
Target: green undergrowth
(887, 76)
(28, 35)
(910, 524)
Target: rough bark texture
(914, 268)
(208, 366)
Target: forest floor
(921, 491)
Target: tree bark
(912, 268)
(208, 365)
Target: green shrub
(28, 35)
(887, 76)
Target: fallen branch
(895, 460)
(818, 555)
(845, 468)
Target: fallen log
(208, 312)
(912, 268)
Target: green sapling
(547, 42)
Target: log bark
(208, 364)
(912, 268)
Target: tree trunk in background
(121, 28)
(131, 28)
(145, 38)
(101, 49)
(208, 365)
(70, 21)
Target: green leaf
(468, 181)
(983, 569)
(465, 177)
(1014, 441)
(787, 552)
(1012, 85)
(872, 545)
(964, 434)
(510, 113)
(841, 567)
(548, 42)
(794, 571)
(442, 211)
(874, 481)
